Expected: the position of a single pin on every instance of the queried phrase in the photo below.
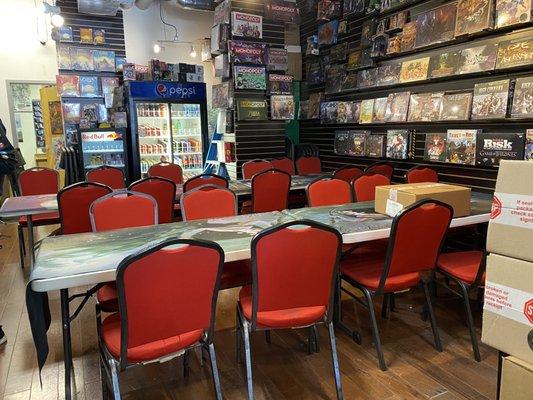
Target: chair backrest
(328, 192)
(164, 193)
(270, 191)
(250, 168)
(295, 265)
(364, 187)
(106, 175)
(123, 209)
(308, 165)
(74, 202)
(348, 173)
(284, 164)
(38, 180)
(420, 174)
(168, 290)
(417, 236)
(208, 201)
(205, 179)
(383, 168)
(170, 171)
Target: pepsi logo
(161, 89)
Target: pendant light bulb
(57, 20)
(157, 48)
(193, 52)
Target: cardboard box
(508, 306)
(511, 221)
(517, 380)
(392, 199)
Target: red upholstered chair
(205, 179)
(467, 270)
(364, 187)
(170, 171)
(328, 192)
(270, 191)
(106, 175)
(284, 164)
(417, 235)
(308, 165)
(383, 168)
(117, 210)
(164, 193)
(295, 269)
(420, 174)
(215, 202)
(250, 168)
(32, 182)
(348, 173)
(74, 202)
(167, 302)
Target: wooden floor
(282, 370)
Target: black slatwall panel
(483, 178)
(258, 139)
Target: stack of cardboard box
(508, 306)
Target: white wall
(23, 57)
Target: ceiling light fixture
(57, 20)
(157, 48)
(193, 51)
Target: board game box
(493, 147)
(282, 11)
(443, 64)
(425, 107)
(461, 146)
(397, 106)
(335, 78)
(338, 52)
(379, 110)
(388, 74)
(367, 31)
(314, 72)
(222, 66)
(473, 16)
(414, 70)
(219, 38)
(104, 60)
(222, 95)
(63, 57)
(397, 143)
(86, 35)
(349, 82)
(314, 104)
(328, 112)
(82, 59)
(435, 147)
(375, 146)
(514, 53)
(367, 107)
(353, 7)
(99, 36)
(358, 139)
(477, 59)
(247, 52)
(89, 86)
(347, 112)
(367, 78)
(435, 25)
(282, 107)
(277, 59)
(354, 60)
(303, 109)
(343, 28)
(529, 145)
(222, 13)
(250, 109)
(311, 47)
(512, 12)
(490, 99)
(327, 33)
(109, 83)
(366, 58)
(71, 112)
(456, 106)
(342, 144)
(253, 78)
(246, 25)
(408, 37)
(68, 85)
(523, 98)
(329, 9)
(280, 84)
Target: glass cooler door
(153, 126)
(187, 138)
(102, 147)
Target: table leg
(67, 343)
(31, 241)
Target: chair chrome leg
(470, 322)
(268, 337)
(238, 336)
(432, 319)
(103, 377)
(310, 341)
(248, 361)
(335, 360)
(375, 329)
(316, 337)
(186, 360)
(114, 379)
(214, 371)
(356, 336)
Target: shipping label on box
(508, 306)
(510, 230)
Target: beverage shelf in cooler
(103, 151)
(181, 117)
(151, 117)
(196, 135)
(187, 153)
(154, 137)
(100, 165)
(154, 154)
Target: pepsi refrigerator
(167, 123)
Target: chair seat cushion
(367, 271)
(40, 219)
(462, 265)
(366, 249)
(246, 207)
(107, 297)
(287, 318)
(236, 273)
(147, 351)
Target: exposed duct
(103, 7)
(202, 5)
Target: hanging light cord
(166, 23)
